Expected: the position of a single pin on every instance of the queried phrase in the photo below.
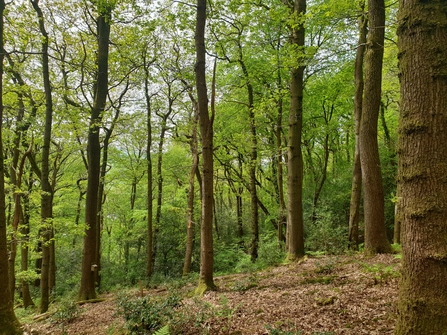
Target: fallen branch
(43, 316)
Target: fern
(163, 331)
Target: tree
(89, 253)
(376, 240)
(422, 167)
(356, 191)
(206, 281)
(47, 191)
(9, 325)
(295, 233)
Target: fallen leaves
(327, 295)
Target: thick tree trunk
(206, 281)
(356, 190)
(422, 31)
(89, 266)
(9, 324)
(295, 230)
(376, 240)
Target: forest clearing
(326, 295)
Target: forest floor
(349, 294)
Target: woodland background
(149, 199)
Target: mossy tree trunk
(376, 240)
(422, 167)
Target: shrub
(146, 315)
(326, 235)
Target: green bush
(326, 235)
(146, 315)
(66, 312)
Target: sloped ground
(317, 296)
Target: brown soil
(317, 296)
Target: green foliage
(146, 315)
(29, 276)
(326, 235)
(163, 331)
(327, 266)
(66, 312)
(279, 331)
(382, 273)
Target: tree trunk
(253, 162)
(376, 240)
(25, 230)
(356, 190)
(190, 224)
(295, 230)
(47, 191)
(206, 281)
(422, 31)
(89, 266)
(282, 217)
(150, 245)
(9, 324)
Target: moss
(410, 128)
(204, 287)
(325, 301)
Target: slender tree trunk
(25, 230)
(282, 212)
(89, 260)
(319, 183)
(150, 245)
(159, 186)
(190, 224)
(376, 240)
(47, 191)
(101, 192)
(295, 230)
(253, 162)
(422, 31)
(356, 190)
(9, 324)
(206, 281)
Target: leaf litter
(349, 294)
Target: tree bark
(89, 266)
(47, 191)
(206, 281)
(376, 240)
(253, 161)
(356, 190)
(150, 245)
(190, 224)
(422, 31)
(295, 230)
(9, 325)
